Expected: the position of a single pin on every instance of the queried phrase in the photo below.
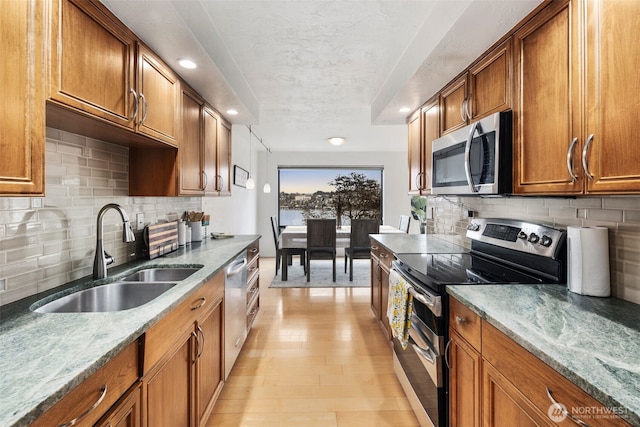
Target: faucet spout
(101, 258)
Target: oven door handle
(467, 156)
(431, 301)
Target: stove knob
(546, 241)
(522, 235)
(533, 238)
(473, 226)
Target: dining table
(295, 236)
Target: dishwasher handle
(236, 267)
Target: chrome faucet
(102, 258)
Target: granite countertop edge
(564, 359)
(40, 377)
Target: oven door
(420, 366)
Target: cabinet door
(504, 405)
(453, 106)
(546, 113)
(125, 413)
(612, 58)
(465, 383)
(430, 132)
(415, 151)
(384, 301)
(159, 98)
(224, 159)
(92, 62)
(210, 368)
(22, 122)
(169, 389)
(491, 83)
(210, 145)
(375, 287)
(191, 148)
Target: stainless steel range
(502, 251)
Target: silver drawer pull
(561, 407)
(103, 393)
(460, 320)
(202, 300)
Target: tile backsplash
(621, 214)
(48, 241)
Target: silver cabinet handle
(195, 356)
(135, 108)
(467, 108)
(573, 176)
(446, 353)
(460, 320)
(202, 301)
(201, 332)
(564, 410)
(462, 112)
(467, 156)
(103, 393)
(220, 183)
(205, 180)
(146, 108)
(585, 166)
(417, 180)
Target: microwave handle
(467, 156)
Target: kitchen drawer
(162, 336)
(252, 309)
(384, 255)
(253, 251)
(253, 286)
(464, 321)
(532, 377)
(89, 401)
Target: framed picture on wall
(240, 176)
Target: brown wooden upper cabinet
(22, 84)
(99, 68)
(424, 127)
(191, 153)
(217, 154)
(485, 88)
(576, 107)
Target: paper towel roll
(588, 261)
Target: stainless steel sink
(161, 274)
(117, 296)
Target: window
(329, 192)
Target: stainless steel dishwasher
(235, 304)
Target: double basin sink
(132, 291)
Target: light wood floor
(315, 357)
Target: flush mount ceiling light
(232, 112)
(404, 109)
(336, 140)
(187, 63)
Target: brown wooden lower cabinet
(127, 412)
(182, 383)
(464, 390)
(496, 382)
(381, 259)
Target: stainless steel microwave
(474, 160)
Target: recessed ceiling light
(404, 110)
(187, 63)
(336, 140)
(232, 112)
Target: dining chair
(404, 223)
(359, 242)
(321, 242)
(290, 251)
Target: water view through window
(323, 192)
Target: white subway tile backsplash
(44, 247)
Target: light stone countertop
(44, 356)
(594, 342)
(420, 243)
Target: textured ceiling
(301, 71)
